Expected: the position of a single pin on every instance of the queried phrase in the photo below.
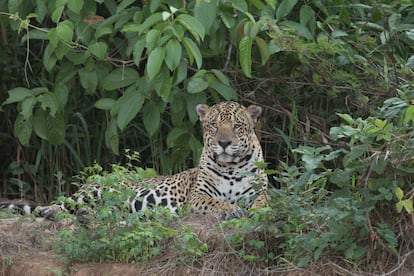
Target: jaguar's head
(228, 130)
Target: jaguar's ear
(254, 111)
(202, 110)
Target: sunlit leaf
(245, 55)
(408, 205)
(65, 31)
(399, 193)
(193, 52)
(192, 25)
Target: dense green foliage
(88, 78)
(347, 201)
(108, 233)
(82, 80)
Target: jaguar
(226, 181)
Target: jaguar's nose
(224, 143)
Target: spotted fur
(225, 177)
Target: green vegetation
(83, 80)
(110, 232)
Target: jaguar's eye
(212, 126)
(238, 125)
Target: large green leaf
(55, 128)
(155, 60)
(192, 25)
(75, 6)
(112, 136)
(105, 104)
(48, 127)
(177, 31)
(191, 101)
(206, 11)
(39, 125)
(62, 95)
(151, 39)
(53, 37)
(137, 51)
(220, 76)
(263, 49)
(65, 31)
(48, 101)
(196, 85)
(27, 107)
(57, 13)
(285, 7)
(226, 91)
(175, 135)
(13, 6)
(307, 17)
(142, 27)
(98, 49)
(162, 83)
(49, 59)
(245, 55)
(180, 74)
(193, 52)
(173, 54)
(409, 114)
(18, 94)
(104, 30)
(89, 80)
(120, 77)
(129, 105)
(151, 117)
(23, 129)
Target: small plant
(188, 247)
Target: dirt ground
(26, 249)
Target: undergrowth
(354, 202)
(110, 232)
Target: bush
(345, 201)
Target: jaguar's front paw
(48, 212)
(231, 214)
